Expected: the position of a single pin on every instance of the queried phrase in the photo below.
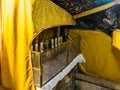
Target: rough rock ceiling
(106, 20)
(77, 6)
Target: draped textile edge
(41, 16)
(97, 49)
(94, 10)
(116, 39)
(17, 33)
(62, 22)
(0, 36)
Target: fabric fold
(17, 34)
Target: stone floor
(82, 85)
(76, 80)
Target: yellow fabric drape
(116, 33)
(46, 14)
(116, 39)
(94, 10)
(97, 9)
(0, 37)
(102, 59)
(17, 33)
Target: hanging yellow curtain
(46, 14)
(116, 35)
(0, 38)
(102, 59)
(116, 39)
(17, 33)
